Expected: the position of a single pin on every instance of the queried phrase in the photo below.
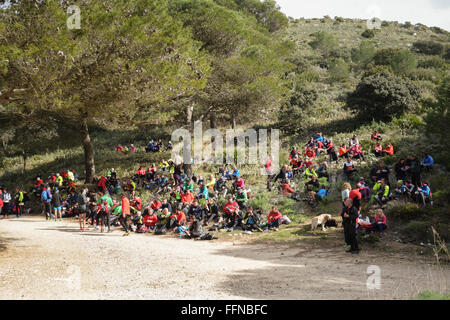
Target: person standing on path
(82, 209)
(18, 200)
(105, 204)
(125, 213)
(349, 216)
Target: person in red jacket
(274, 218)
(151, 220)
(177, 219)
(136, 203)
(310, 153)
(287, 189)
(38, 182)
(356, 196)
(231, 207)
(102, 184)
(156, 204)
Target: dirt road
(53, 260)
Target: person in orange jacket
(343, 151)
(125, 214)
(187, 197)
(389, 149)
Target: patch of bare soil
(54, 260)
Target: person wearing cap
(400, 189)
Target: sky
(433, 13)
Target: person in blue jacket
(427, 162)
(423, 193)
(46, 198)
(236, 173)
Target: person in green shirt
(18, 199)
(241, 198)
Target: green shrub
(261, 202)
(428, 47)
(401, 61)
(417, 231)
(339, 70)
(383, 96)
(432, 62)
(407, 212)
(368, 33)
(324, 42)
(364, 54)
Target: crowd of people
(194, 206)
(377, 190)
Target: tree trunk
(24, 157)
(233, 121)
(189, 112)
(212, 120)
(187, 169)
(88, 151)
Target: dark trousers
(380, 227)
(350, 236)
(48, 210)
(415, 179)
(124, 223)
(104, 218)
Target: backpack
(103, 206)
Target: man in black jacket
(349, 215)
(412, 164)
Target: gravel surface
(54, 260)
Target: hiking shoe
(248, 232)
(355, 252)
(126, 234)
